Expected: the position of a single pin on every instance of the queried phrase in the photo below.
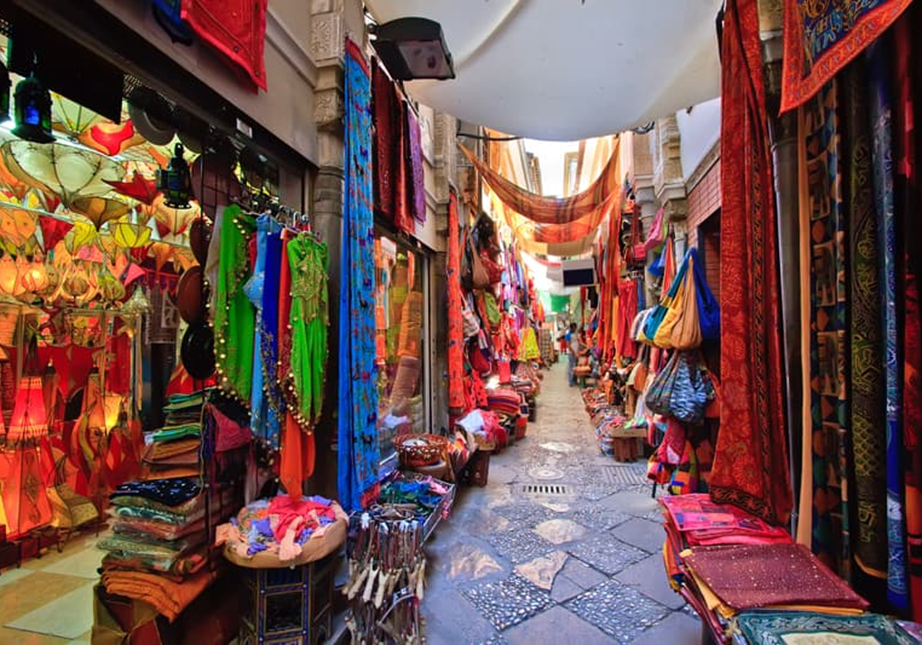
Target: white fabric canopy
(568, 69)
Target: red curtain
(751, 462)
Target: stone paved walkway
(582, 565)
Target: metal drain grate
(625, 475)
(546, 489)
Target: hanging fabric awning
(515, 62)
(555, 211)
(544, 225)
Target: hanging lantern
(9, 275)
(34, 277)
(33, 111)
(175, 180)
(30, 420)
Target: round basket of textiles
(417, 450)
(284, 531)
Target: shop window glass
(398, 321)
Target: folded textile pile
(173, 450)
(167, 596)
(503, 400)
(727, 563)
(284, 530)
(160, 526)
(781, 627)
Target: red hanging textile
(455, 320)
(236, 28)
(751, 462)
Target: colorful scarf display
(821, 38)
(390, 128)
(751, 463)
(828, 341)
(416, 179)
(358, 401)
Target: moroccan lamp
(33, 111)
(30, 419)
(413, 48)
(175, 181)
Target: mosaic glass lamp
(33, 111)
(175, 181)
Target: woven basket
(417, 450)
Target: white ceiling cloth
(568, 69)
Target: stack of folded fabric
(174, 449)
(782, 627)
(504, 400)
(749, 581)
(159, 547)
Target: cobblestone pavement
(580, 565)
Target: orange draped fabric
(552, 225)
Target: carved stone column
(326, 48)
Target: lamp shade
(65, 170)
(29, 420)
(70, 117)
(413, 48)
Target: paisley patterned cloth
(821, 38)
(358, 400)
(751, 461)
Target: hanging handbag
(708, 309)
(674, 309)
(467, 267)
(480, 275)
(651, 326)
(656, 233)
(658, 398)
(493, 315)
(686, 334)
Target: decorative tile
(599, 517)
(519, 545)
(524, 514)
(508, 602)
(606, 554)
(68, 616)
(620, 611)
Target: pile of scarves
(174, 449)
(502, 400)
(281, 526)
(158, 550)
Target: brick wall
(703, 201)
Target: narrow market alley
(517, 566)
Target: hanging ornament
(17, 225)
(111, 138)
(53, 231)
(99, 210)
(33, 111)
(82, 234)
(138, 187)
